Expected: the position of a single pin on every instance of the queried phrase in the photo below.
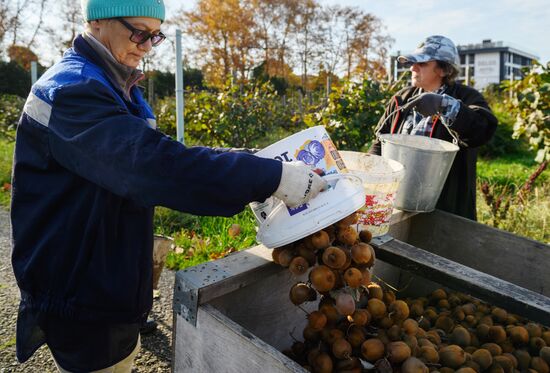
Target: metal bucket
(427, 163)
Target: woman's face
(427, 75)
(116, 37)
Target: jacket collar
(121, 76)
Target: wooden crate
(234, 314)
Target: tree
(225, 40)
(14, 79)
(15, 20)
(354, 41)
(530, 103)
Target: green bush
(237, 116)
(352, 113)
(14, 79)
(11, 107)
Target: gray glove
(427, 104)
(298, 184)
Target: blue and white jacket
(88, 170)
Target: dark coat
(475, 124)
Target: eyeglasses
(141, 36)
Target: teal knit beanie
(101, 9)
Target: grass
(201, 239)
(512, 170)
(6, 159)
(9, 343)
(529, 217)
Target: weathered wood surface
(264, 309)
(219, 344)
(459, 277)
(516, 259)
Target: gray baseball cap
(434, 48)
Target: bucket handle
(328, 178)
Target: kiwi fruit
(329, 336)
(461, 337)
(353, 277)
(375, 291)
(361, 253)
(538, 364)
(356, 336)
(534, 330)
(307, 254)
(373, 349)
(398, 352)
(347, 235)
(320, 240)
(523, 358)
(465, 370)
(505, 363)
(497, 334)
(389, 297)
(330, 312)
(334, 257)
(322, 278)
(499, 315)
(410, 326)
(544, 353)
(376, 308)
(414, 365)
(298, 266)
(452, 356)
(399, 310)
(493, 348)
(341, 349)
(438, 294)
(361, 317)
(285, 257)
(428, 354)
(311, 335)
(365, 236)
(300, 293)
(317, 320)
(323, 363)
(518, 335)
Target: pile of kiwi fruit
(361, 326)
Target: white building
(485, 63)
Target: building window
(462, 59)
(472, 58)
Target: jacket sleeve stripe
(38, 109)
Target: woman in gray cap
(436, 106)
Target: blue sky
(524, 23)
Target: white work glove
(299, 184)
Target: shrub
(353, 111)
(11, 107)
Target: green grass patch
(512, 170)
(7, 344)
(6, 160)
(206, 238)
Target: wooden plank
(264, 308)
(516, 259)
(456, 276)
(218, 344)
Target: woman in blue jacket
(89, 168)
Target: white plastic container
(380, 178)
(280, 225)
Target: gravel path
(155, 355)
